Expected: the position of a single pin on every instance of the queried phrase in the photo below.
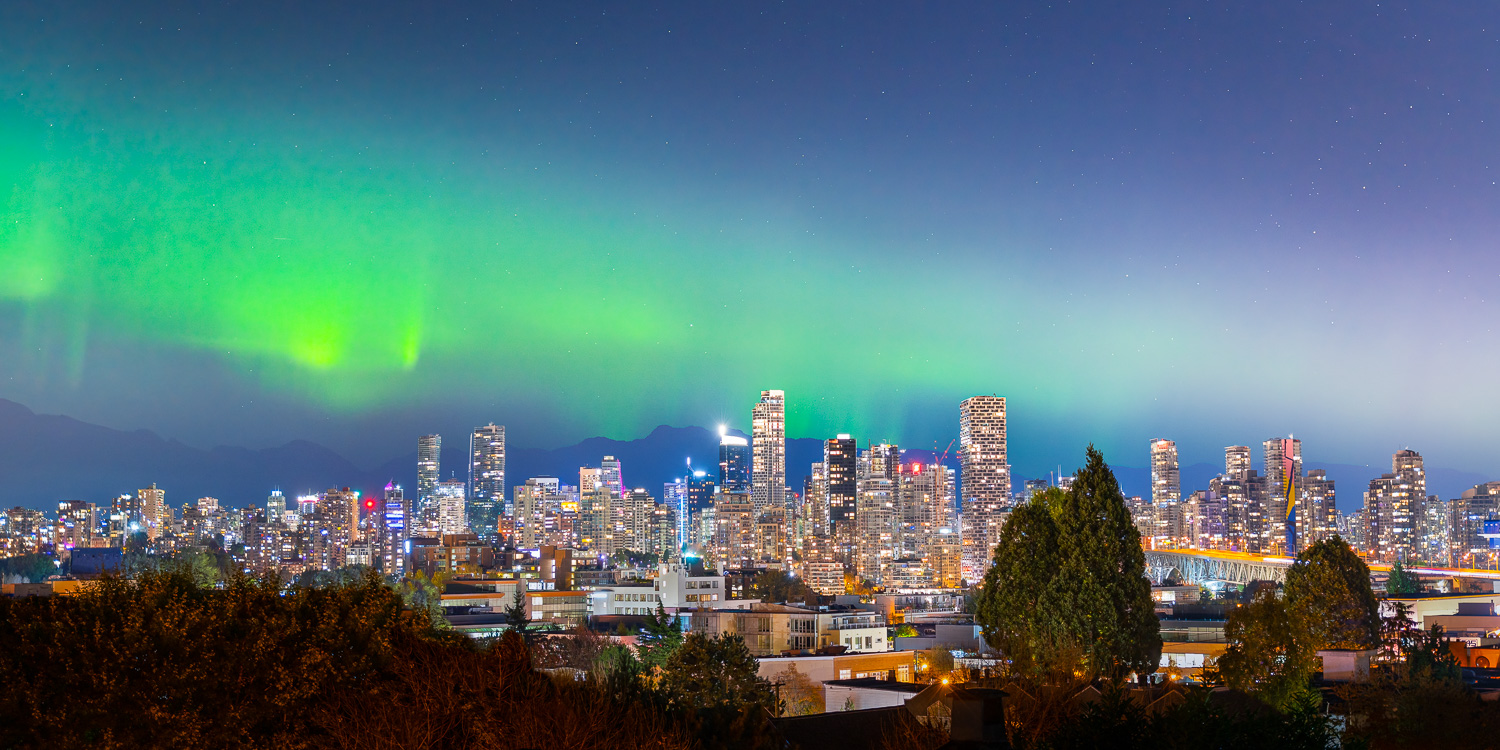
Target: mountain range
(45, 459)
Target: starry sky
(247, 222)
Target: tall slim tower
(985, 476)
(393, 553)
(1283, 481)
(1166, 481)
(840, 464)
(768, 433)
(429, 462)
(486, 478)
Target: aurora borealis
(250, 222)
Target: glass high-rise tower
(985, 477)
(841, 464)
(768, 443)
(429, 463)
(1166, 481)
(735, 460)
(486, 478)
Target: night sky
(243, 223)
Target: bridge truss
(1199, 568)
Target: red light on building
(369, 503)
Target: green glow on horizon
(360, 278)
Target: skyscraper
(1283, 480)
(1166, 482)
(152, 511)
(1237, 462)
(841, 466)
(1392, 503)
(735, 460)
(275, 506)
(396, 513)
(612, 476)
(486, 478)
(451, 507)
(429, 462)
(984, 475)
(768, 433)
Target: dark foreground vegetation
(162, 662)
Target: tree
(1020, 607)
(778, 586)
(935, 663)
(717, 672)
(660, 639)
(1068, 586)
(30, 568)
(424, 594)
(1402, 582)
(1272, 650)
(1104, 572)
(1330, 586)
(799, 694)
(516, 613)
(905, 630)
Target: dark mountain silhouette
(45, 459)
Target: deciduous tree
(1330, 586)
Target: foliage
(660, 639)
(715, 682)
(1402, 582)
(1272, 651)
(160, 661)
(778, 586)
(424, 594)
(1117, 720)
(1411, 710)
(799, 694)
(1022, 607)
(445, 697)
(1330, 586)
(515, 613)
(580, 648)
(714, 672)
(905, 630)
(938, 661)
(629, 558)
(1067, 588)
(1104, 571)
(30, 568)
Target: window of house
(843, 674)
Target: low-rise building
(824, 667)
(854, 629)
(766, 628)
(860, 693)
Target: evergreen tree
(1402, 582)
(661, 638)
(1020, 607)
(516, 614)
(1103, 575)
(718, 672)
(1330, 587)
(1068, 586)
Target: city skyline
(1033, 209)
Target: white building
(768, 446)
(673, 587)
(985, 476)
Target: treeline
(162, 661)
